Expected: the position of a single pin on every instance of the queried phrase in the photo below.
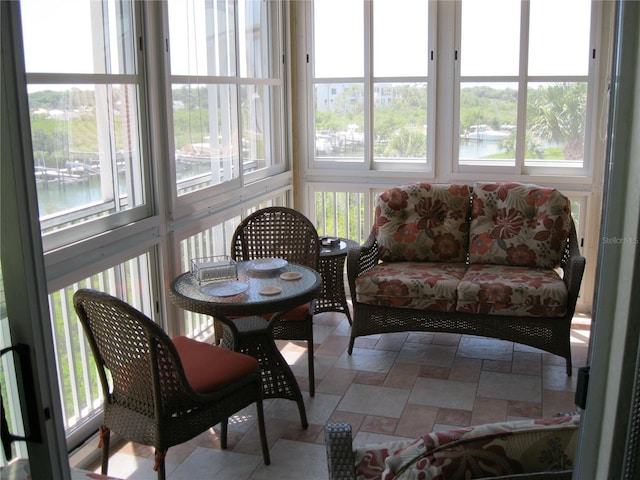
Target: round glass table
(239, 306)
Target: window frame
(369, 81)
(216, 196)
(523, 80)
(94, 227)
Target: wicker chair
(156, 391)
(282, 232)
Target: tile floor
(394, 385)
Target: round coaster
(270, 290)
(291, 275)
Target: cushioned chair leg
(159, 466)
(105, 435)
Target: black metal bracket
(582, 387)
(32, 427)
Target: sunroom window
(227, 91)
(370, 83)
(523, 85)
(84, 96)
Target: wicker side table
(332, 296)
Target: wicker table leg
(332, 296)
(255, 338)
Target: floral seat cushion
(518, 224)
(516, 291)
(490, 450)
(423, 222)
(422, 285)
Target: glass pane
(79, 36)
(555, 124)
(488, 118)
(400, 121)
(401, 40)
(259, 110)
(338, 38)
(86, 146)
(559, 37)
(256, 54)
(205, 124)
(490, 38)
(339, 120)
(203, 37)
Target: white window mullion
(521, 128)
(368, 83)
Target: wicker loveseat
(498, 260)
(521, 449)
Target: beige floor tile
(368, 360)
(374, 400)
(485, 348)
(336, 381)
(487, 410)
(402, 375)
(466, 369)
(416, 420)
(510, 386)
(444, 393)
(378, 424)
(420, 354)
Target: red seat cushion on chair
(296, 314)
(208, 367)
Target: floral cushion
(506, 290)
(422, 285)
(423, 222)
(490, 450)
(517, 224)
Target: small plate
(291, 275)
(270, 290)
(268, 264)
(226, 289)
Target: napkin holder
(214, 269)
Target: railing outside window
(79, 384)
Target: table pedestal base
(254, 337)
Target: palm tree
(556, 113)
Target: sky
(559, 33)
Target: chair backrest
(278, 232)
(137, 363)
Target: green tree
(556, 113)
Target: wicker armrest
(361, 259)
(340, 459)
(573, 265)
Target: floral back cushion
(518, 224)
(423, 222)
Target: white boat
(484, 133)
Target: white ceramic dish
(224, 289)
(268, 264)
